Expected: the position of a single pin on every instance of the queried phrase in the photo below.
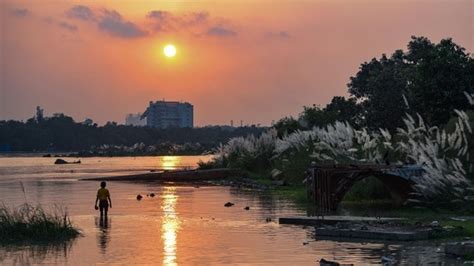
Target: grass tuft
(28, 223)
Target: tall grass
(443, 155)
(33, 224)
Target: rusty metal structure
(327, 184)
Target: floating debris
(247, 208)
(152, 195)
(139, 197)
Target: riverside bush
(28, 223)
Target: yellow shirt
(103, 193)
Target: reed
(28, 223)
(444, 155)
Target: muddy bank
(174, 176)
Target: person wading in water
(103, 198)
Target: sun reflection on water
(170, 162)
(170, 226)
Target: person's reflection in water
(103, 238)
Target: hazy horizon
(236, 60)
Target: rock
(47, 155)
(280, 183)
(388, 260)
(448, 227)
(460, 248)
(139, 197)
(469, 198)
(364, 227)
(229, 204)
(342, 226)
(60, 161)
(152, 195)
(305, 243)
(434, 223)
(247, 208)
(466, 238)
(458, 219)
(324, 262)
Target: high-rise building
(162, 114)
(135, 120)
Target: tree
(39, 114)
(441, 74)
(286, 125)
(431, 78)
(345, 110)
(339, 109)
(316, 116)
(379, 86)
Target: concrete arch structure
(327, 184)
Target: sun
(169, 50)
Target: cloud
(113, 23)
(195, 23)
(81, 12)
(280, 34)
(166, 21)
(67, 26)
(20, 12)
(220, 31)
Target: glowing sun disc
(169, 50)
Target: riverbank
(457, 225)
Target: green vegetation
(62, 133)
(428, 79)
(33, 224)
(469, 257)
(294, 193)
(385, 121)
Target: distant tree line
(428, 79)
(62, 133)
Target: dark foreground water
(181, 225)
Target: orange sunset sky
(255, 61)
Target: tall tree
(441, 74)
(379, 86)
(431, 77)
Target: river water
(181, 225)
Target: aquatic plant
(28, 223)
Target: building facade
(135, 120)
(163, 114)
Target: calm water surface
(181, 225)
